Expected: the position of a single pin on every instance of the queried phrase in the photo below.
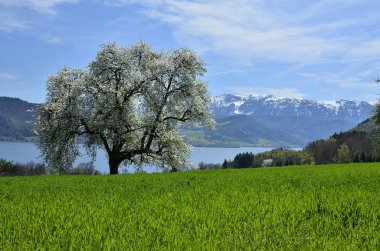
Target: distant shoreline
(33, 140)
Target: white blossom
(131, 102)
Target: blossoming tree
(131, 102)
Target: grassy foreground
(311, 207)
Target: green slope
(366, 126)
(239, 130)
(360, 140)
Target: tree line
(279, 157)
(358, 145)
(9, 168)
(352, 146)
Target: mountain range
(258, 106)
(16, 119)
(241, 121)
(278, 122)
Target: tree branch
(184, 117)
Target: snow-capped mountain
(259, 106)
(241, 121)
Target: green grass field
(333, 207)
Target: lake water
(24, 152)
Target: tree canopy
(343, 154)
(129, 101)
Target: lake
(24, 152)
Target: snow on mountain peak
(269, 105)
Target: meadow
(334, 207)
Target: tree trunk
(114, 165)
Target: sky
(315, 49)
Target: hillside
(16, 118)
(238, 130)
(359, 140)
(367, 125)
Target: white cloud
(125, 2)
(12, 12)
(7, 76)
(54, 40)
(233, 71)
(9, 21)
(367, 50)
(281, 31)
(354, 83)
(309, 75)
(325, 42)
(278, 92)
(46, 6)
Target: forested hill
(239, 130)
(367, 125)
(16, 117)
(360, 142)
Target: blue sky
(322, 50)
